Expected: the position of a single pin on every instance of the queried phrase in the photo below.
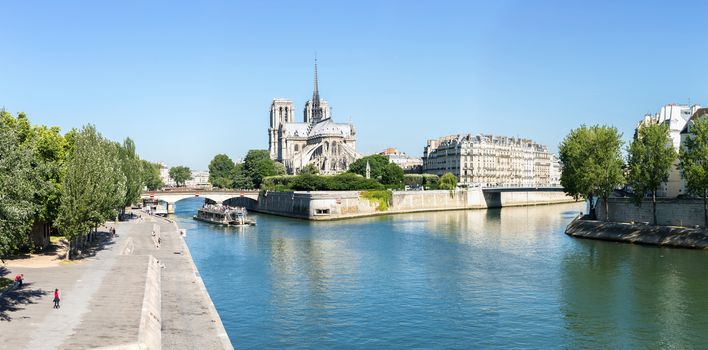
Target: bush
(271, 182)
(381, 197)
(413, 180)
(448, 181)
(392, 174)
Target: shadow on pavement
(102, 240)
(16, 300)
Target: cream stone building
(318, 140)
(406, 162)
(676, 116)
(491, 161)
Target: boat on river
(224, 215)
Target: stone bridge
(235, 197)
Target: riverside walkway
(107, 300)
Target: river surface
(502, 278)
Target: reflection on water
(460, 279)
(624, 296)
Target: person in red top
(18, 280)
(56, 298)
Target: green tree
(258, 165)
(93, 187)
(221, 170)
(131, 167)
(651, 155)
(18, 186)
(694, 162)
(376, 163)
(392, 174)
(150, 174)
(592, 163)
(240, 178)
(50, 149)
(309, 169)
(180, 174)
(448, 181)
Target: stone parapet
(669, 211)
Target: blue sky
(188, 80)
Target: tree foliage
(94, 187)
(256, 166)
(428, 181)
(150, 174)
(392, 174)
(308, 182)
(376, 162)
(650, 157)
(448, 181)
(221, 171)
(694, 162)
(309, 169)
(180, 174)
(132, 170)
(18, 187)
(73, 182)
(241, 179)
(592, 162)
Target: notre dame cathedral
(318, 140)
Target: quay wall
(669, 211)
(667, 236)
(333, 205)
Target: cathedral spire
(316, 93)
(317, 114)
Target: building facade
(676, 116)
(491, 161)
(318, 140)
(407, 163)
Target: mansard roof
(701, 112)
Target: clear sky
(189, 80)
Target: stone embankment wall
(672, 212)
(668, 236)
(333, 205)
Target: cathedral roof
(328, 127)
(295, 129)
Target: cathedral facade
(317, 140)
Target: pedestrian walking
(19, 279)
(56, 298)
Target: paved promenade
(103, 297)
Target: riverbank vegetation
(259, 171)
(381, 199)
(71, 183)
(694, 162)
(593, 165)
(257, 165)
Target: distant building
(318, 140)
(165, 175)
(408, 163)
(199, 179)
(676, 116)
(491, 161)
(556, 170)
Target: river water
(502, 278)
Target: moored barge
(224, 215)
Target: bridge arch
(247, 202)
(171, 198)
